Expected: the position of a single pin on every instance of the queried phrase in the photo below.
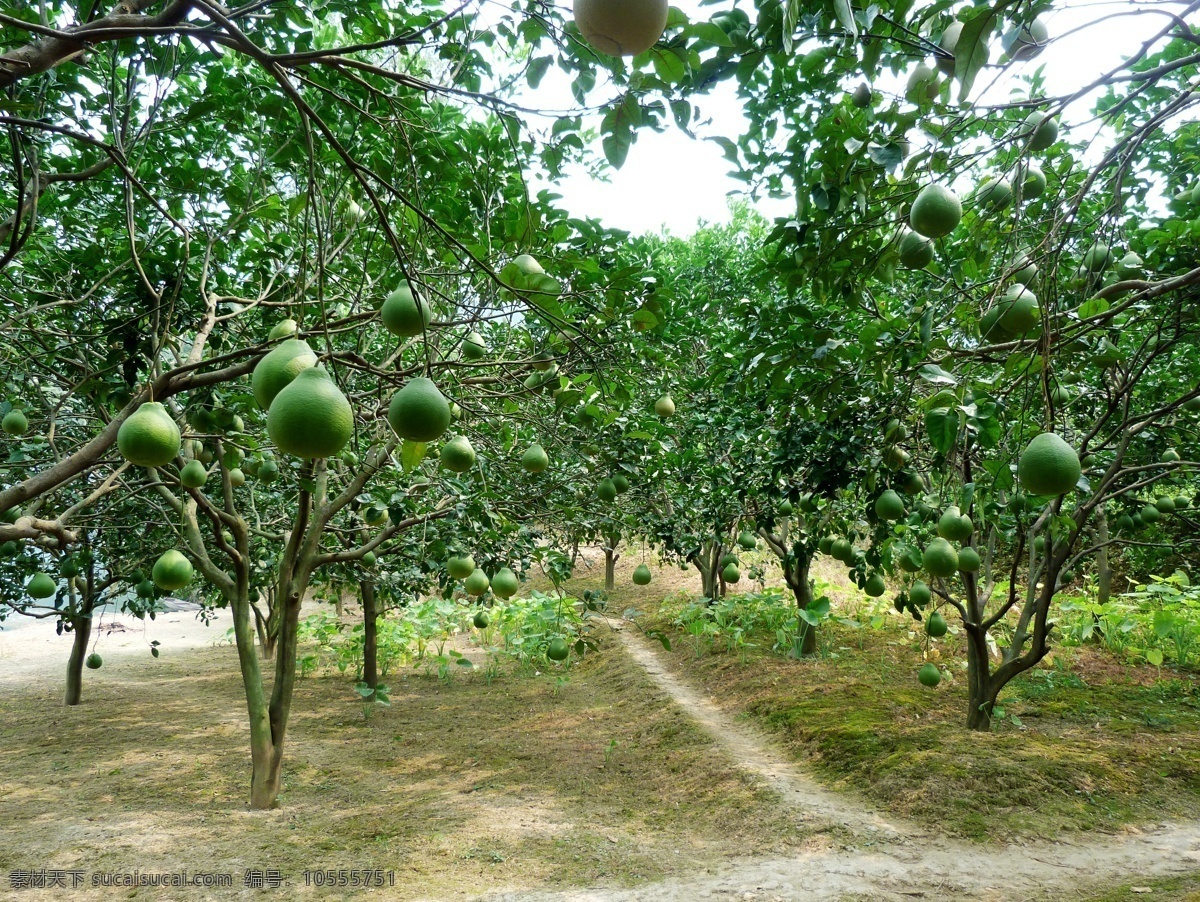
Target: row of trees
(182, 177)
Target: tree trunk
(610, 569)
(370, 634)
(798, 581)
(980, 696)
(83, 633)
(707, 562)
(265, 627)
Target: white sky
(672, 181)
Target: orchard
(309, 352)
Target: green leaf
(411, 455)
(711, 33)
(933, 373)
(537, 70)
(791, 13)
(668, 65)
(845, 15)
(1154, 656)
(1093, 307)
(971, 51)
(942, 426)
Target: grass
(1087, 743)
(459, 787)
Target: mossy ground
(1087, 742)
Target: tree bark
(980, 695)
(797, 578)
(370, 634)
(82, 627)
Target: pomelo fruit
(916, 252)
(1048, 466)
(404, 314)
(1182, 502)
(1030, 40)
(912, 482)
(268, 470)
(875, 585)
(929, 675)
(279, 367)
(149, 437)
(474, 347)
(641, 575)
(664, 406)
(1019, 311)
(457, 454)
(842, 550)
(785, 508)
(40, 585)
(825, 544)
(1124, 523)
(1097, 258)
(368, 559)
(994, 194)
(955, 525)
(9, 549)
(528, 265)
(1165, 505)
(237, 478)
(935, 212)
(747, 539)
(477, 583)
(94, 661)
(1033, 185)
(861, 97)
(481, 620)
(172, 571)
(15, 423)
(936, 626)
(606, 491)
(1131, 266)
(419, 412)
(948, 42)
(535, 459)
(621, 483)
(1039, 131)
(460, 566)
(726, 559)
(895, 431)
(193, 475)
(505, 583)
(889, 506)
(909, 559)
(968, 560)
(310, 417)
(285, 328)
(145, 589)
(940, 558)
(731, 573)
(621, 27)
(895, 456)
(1150, 514)
(919, 594)
(558, 649)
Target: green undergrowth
(1086, 741)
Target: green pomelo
(1039, 131)
(731, 574)
(606, 491)
(94, 661)
(285, 328)
(368, 559)
(912, 482)
(268, 471)
(237, 478)
(875, 585)
(477, 583)
(929, 675)
(1165, 505)
(558, 649)
(535, 459)
(889, 506)
(460, 566)
(481, 620)
(15, 423)
(948, 43)
(919, 594)
(747, 539)
(968, 560)
(726, 559)
(664, 406)
(785, 508)
(955, 525)
(1033, 185)
(1131, 266)
(193, 475)
(916, 252)
(528, 265)
(621, 483)
(419, 412)
(843, 550)
(936, 626)
(149, 437)
(310, 417)
(40, 585)
(505, 583)
(172, 571)
(940, 558)
(1048, 466)
(1151, 514)
(145, 589)
(278, 368)
(404, 314)
(1097, 257)
(1019, 311)
(457, 454)
(936, 211)
(641, 575)
(474, 347)
(994, 194)
(861, 97)
(825, 544)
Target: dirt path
(887, 859)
